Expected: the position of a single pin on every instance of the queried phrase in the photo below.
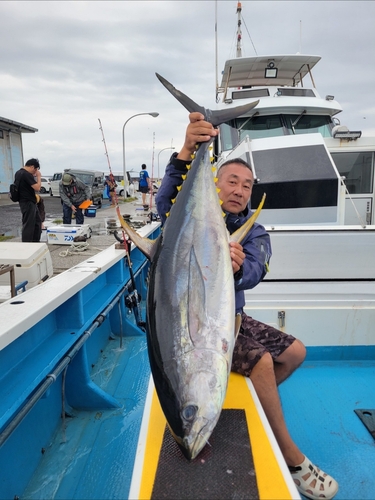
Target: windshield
(309, 124)
(86, 178)
(258, 127)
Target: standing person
(28, 179)
(111, 185)
(73, 192)
(144, 183)
(264, 354)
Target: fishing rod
(132, 300)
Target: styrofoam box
(64, 234)
(32, 262)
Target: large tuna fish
(191, 323)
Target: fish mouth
(192, 447)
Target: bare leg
(264, 379)
(265, 376)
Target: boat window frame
(356, 188)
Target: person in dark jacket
(73, 192)
(28, 179)
(264, 354)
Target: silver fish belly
(191, 311)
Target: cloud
(66, 64)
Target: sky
(66, 64)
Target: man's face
(236, 183)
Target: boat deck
(92, 455)
(319, 400)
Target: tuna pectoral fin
(237, 325)
(240, 234)
(145, 245)
(196, 299)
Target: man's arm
(65, 199)
(38, 183)
(257, 250)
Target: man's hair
(236, 160)
(143, 166)
(33, 162)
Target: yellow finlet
(167, 214)
(188, 167)
(183, 176)
(174, 200)
(179, 188)
(215, 179)
(218, 190)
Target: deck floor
(319, 400)
(93, 456)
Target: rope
(76, 247)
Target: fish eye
(189, 412)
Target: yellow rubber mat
(273, 481)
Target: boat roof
(250, 71)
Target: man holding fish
(264, 354)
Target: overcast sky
(63, 65)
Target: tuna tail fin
(145, 245)
(241, 232)
(215, 117)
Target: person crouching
(73, 192)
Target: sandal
(312, 482)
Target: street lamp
(158, 158)
(123, 144)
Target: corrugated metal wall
(11, 157)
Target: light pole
(158, 158)
(123, 144)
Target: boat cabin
(288, 117)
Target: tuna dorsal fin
(215, 117)
(241, 232)
(145, 245)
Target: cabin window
(255, 127)
(295, 92)
(250, 94)
(309, 124)
(358, 170)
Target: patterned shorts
(253, 341)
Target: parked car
(120, 186)
(46, 184)
(134, 188)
